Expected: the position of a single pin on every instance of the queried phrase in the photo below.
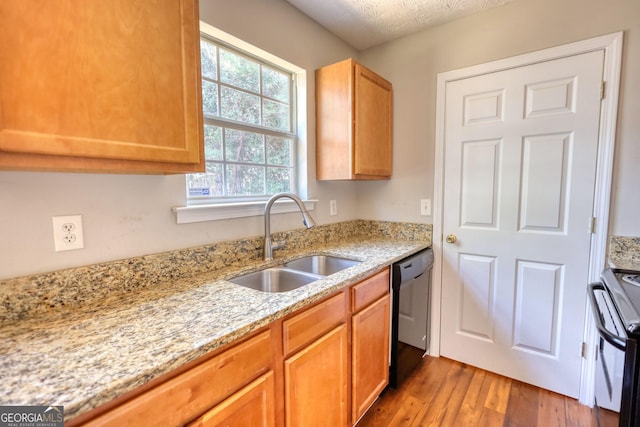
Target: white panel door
(519, 171)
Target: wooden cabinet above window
(353, 123)
(109, 86)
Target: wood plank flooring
(443, 392)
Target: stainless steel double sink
(294, 274)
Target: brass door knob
(451, 238)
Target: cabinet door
(101, 85)
(316, 382)
(353, 123)
(372, 124)
(334, 121)
(252, 406)
(190, 394)
(370, 355)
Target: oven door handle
(614, 340)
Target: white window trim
(234, 209)
(200, 213)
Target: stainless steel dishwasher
(410, 316)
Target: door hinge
(603, 89)
(583, 351)
(592, 225)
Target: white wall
(128, 215)
(412, 64)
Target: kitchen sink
(294, 274)
(323, 265)
(275, 279)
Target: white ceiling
(367, 23)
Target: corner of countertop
(624, 252)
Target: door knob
(451, 238)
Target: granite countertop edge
(624, 264)
(81, 359)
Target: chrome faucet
(306, 219)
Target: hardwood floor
(442, 392)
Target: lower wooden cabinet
(316, 380)
(370, 355)
(194, 392)
(252, 406)
(321, 366)
(316, 375)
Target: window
(249, 127)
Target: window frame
(231, 124)
(226, 208)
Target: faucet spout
(307, 220)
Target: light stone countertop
(624, 252)
(624, 264)
(85, 356)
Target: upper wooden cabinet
(353, 123)
(109, 85)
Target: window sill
(201, 213)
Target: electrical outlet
(425, 207)
(333, 207)
(68, 227)
(67, 233)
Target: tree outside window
(249, 133)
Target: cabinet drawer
(252, 406)
(305, 327)
(190, 394)
(369, 290)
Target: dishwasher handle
(615, 340)
(410, 265)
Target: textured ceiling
(367, 23)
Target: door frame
(611, 44)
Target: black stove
(616, 311)
(632, 279)
(624, 287)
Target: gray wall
(412, 64)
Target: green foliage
(245, 180)
(241, 162)
(276, 84)
(245, 147)
(279, 151)
(212, 142)
(239, 71)
(209, 60)
(275, 115)
(239, 106)
(210, 98)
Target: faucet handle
(278, 245)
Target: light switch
(333, 207)
(425, 207)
